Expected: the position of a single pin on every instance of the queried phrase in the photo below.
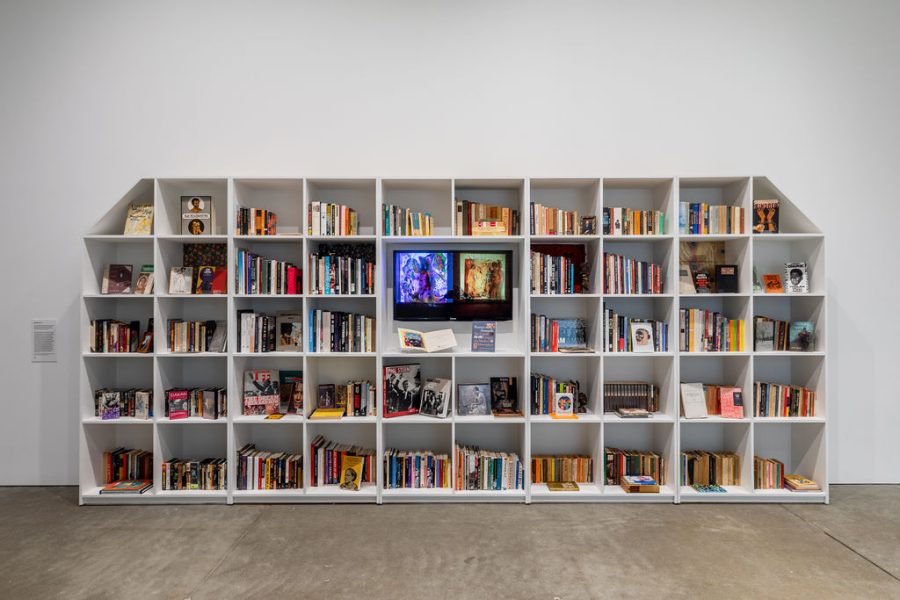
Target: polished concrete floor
(52, 548)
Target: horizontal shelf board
(582, 418)
(367, 490)
(279, 238)
(717, 295)
(732, 493)
(118, 354)
(486, 239)
(639, 354)
(563, 238)
(585, 490)
(653, 418)
(267, 494)
(191, 421)
(818, 353)
(788, 494)
(716, 419)
(93, 496)
(269, 296)
(192, 494)
(337, 354)
(716, 353)
(789, 295)
(489, 419)
(269, 354)
(119, 239)
(345, 420)
(194, 296)
(261, 419)
(119, 421)
(458, 352)
(415, 419)
(786, 237)
(665, 491)
(119, 296)
(638, 295)
(566, 296)
(417, 492)
(489, 493)
(197, 239)
(342, 238)
(819, 420)
(167, 354)
(330, 296)
(712, 237)
(637, 238)
(592, 353)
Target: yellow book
(327, 413)
(351, 473)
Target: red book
(292, 280)
(178, 404)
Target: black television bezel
(468, 310)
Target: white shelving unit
(801, 443)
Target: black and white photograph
(796, 279)
(435, 398)
(402, 390)
(326, 397)
(641, 337)
(473, 399)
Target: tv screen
(449, 285)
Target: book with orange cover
(772, 284)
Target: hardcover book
(291, 392)
(180, 280)
(109, 407)
(144, 283)
(562, 486)
(435, 398)
(504, 397)
(178, 404)
(402, 390)
(641, 337)
(142, 408)
(197, 215)
(772, 284)
(764, 335)
(116, 279)
(726, 279)
(802, 336)
(563, 406)
(473, 399)
(426, 341)
(211, 280)
(795, 278)
(290, 331)
(731, 405)
(639, 484)
(139, 220)
(261, 392)
(484, 336)
(693, 401)
(352, 467)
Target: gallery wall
(97, 94)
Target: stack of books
(478, 469)
(401, 221)
(777, 400)
(255, 221)
(187, 474)
(623, 275)
(710, 468)
(340, 332)
(327, 459)
(577, 467)
(334, 274)
(261, 470)
(634, 462)
(768, 473)
(626, 221)
(708, 331)
(544, 389)
(630, 394)
(416, 469)
(699, 218)
(258, 275)
(477, 219)
(332, 219)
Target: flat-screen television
(453, 285)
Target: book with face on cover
(351, 473)
(795, 278)
(435, 398)
(144, 283)
(116, 279)
(802, 336)
(180, 280)
(197, 215)
(402, 390)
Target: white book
(693, 401)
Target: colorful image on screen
(482, 276)
(423, 277)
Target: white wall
(96, 94)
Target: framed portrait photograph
(641, 337)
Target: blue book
(484, 336)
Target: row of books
(699, 467)
(113, 404)
(620, 463)
(478, 219)
(328, 462)
(187, 474)
(262, 470)
(332, 219)
(557, 335)
(544, 390)
(255, 221)
(699, 218)
(623, 275)
(631, 394)
(699, 400)
(555, 274)
(257, 332)
(414, 469)
(768, 473)
(332, 274)
(400, 221)
(548, 220)
(351, 399)
(208, 403)
(772, 335)
(195, 336)
(628, 334)
(546, 469)
(258, 275)
(271, 391)
(627, 221)
(777, 400)
(126, 463)
(340, 332)
(110, 335)
(478, 469)
(708, 331)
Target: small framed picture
(796, 280)
(564, 404)
(641, 337)
(473, 399)
(588, 225)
